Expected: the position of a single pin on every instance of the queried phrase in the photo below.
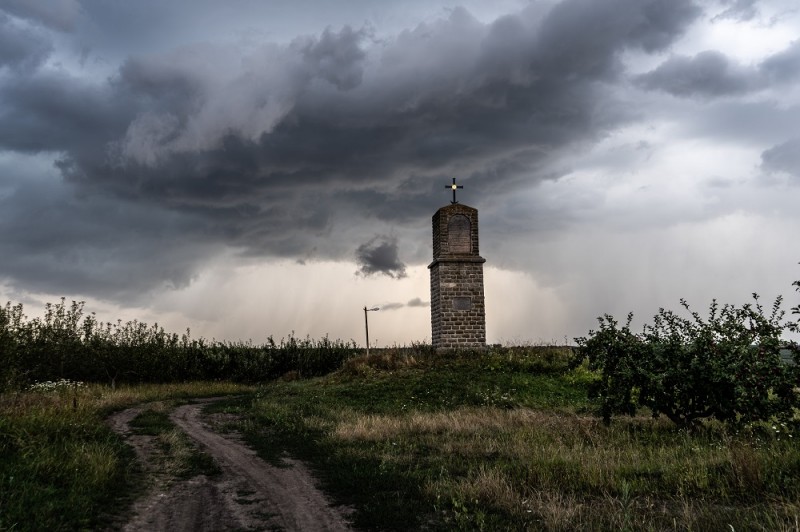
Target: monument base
(457, 304)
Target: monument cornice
(457, 258)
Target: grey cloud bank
(711, 73)
(309, 147)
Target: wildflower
(55, 386)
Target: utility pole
(366, 324)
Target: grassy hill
(504, 439)
(507, 440)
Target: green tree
(727, 366)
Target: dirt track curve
(250, 494)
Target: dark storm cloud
(441, 97)
(337, 58)
(712, 74)
(708, 73)
(783, 66)
(380, 256)
(20, 49)
(741, 10)
(57, 14)
(56, 112)
(81, 244)
(283, 149)
(784, 157)
(584, 35)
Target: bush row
(66, 343)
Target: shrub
(66, 344)
(726, 367)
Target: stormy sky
(247, 168)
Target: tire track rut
(249, 494)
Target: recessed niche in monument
(459, 235)
(462, 303)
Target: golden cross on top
(454, 187)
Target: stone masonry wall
(457, 305)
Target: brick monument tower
(458, 317)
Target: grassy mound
(506, 439)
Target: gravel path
(249, 494)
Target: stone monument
(458, 317)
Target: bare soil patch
(249, 494)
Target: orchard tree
(727, 366)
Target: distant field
(411, 439)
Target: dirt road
(249, 494)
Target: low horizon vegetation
(68, 344)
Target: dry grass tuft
(386, 360)
(461, 421)
(178, 451)
(487, 485)
(554, 510)
(746, 467)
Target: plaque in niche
(459, 239)
(462, 303)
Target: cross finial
(454, 187)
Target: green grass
(152, 422)
(413, 440)
(179, 456)
(58, 471)
(507, 441)
(61, 467)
